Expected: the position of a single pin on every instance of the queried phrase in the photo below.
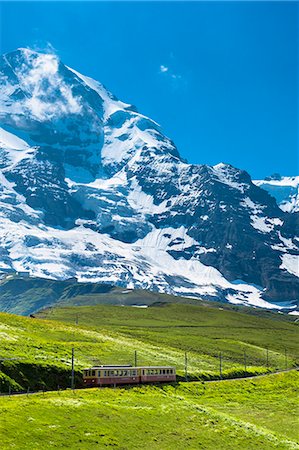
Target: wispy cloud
(44, 47)
(163, 68)
(40, 76)
(175, 78)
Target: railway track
(27, 393)
(253, 376)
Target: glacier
(284, 189)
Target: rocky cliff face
(90, 188)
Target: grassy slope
(202, 331)
(161, 335)
(19, 295)
(244, 414)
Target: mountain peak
(27, 52)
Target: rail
(28, 392)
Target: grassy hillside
(22, 295)
(245, 414)
(202, 330)
(36, 352)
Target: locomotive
(117, 375)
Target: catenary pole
(220, 365)
(73, 369)
(186, 366)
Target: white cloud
(44, 83)
(163, 69)
(176, 77)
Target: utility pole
(186, 366)
(220, 365)
(135, 358)
(245, 361)
(267, 356)
(73, 369)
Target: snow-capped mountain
(90, 188)
(284, 189)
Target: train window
(167, 371)
(125, 373)
(93, 372)
(134, 373)
(163, 371)
(99, 373)
(105, 373)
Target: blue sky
(220, 78)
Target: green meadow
(259, 413)
(165, 332)
(35, 353)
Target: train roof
(128, 367)
(114, 366)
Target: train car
(110, 375)
(157, 374)
(118, 375)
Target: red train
(116, 375)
